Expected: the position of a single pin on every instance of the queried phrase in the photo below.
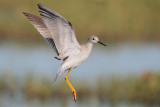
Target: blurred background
(126, 73)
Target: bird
(60, 35)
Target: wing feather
(38, 23)
(61, 31)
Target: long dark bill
(101, 43)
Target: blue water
(123, 59)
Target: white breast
(80, 57)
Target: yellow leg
(71, 87)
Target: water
(122, 60)
(91, 102)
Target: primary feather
(57, 31)
(61, 32)
(38, 23)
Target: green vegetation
(144, 88)
(113, 20)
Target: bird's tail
(60, 71)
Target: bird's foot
(74, 95)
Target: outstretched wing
(61, 32)
(38, 23)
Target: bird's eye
(93, 38)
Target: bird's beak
(101, 43)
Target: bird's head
(94, 39)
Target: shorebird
(59, 34)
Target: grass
(113, 20)
(144, 88)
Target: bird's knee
(73, 91)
